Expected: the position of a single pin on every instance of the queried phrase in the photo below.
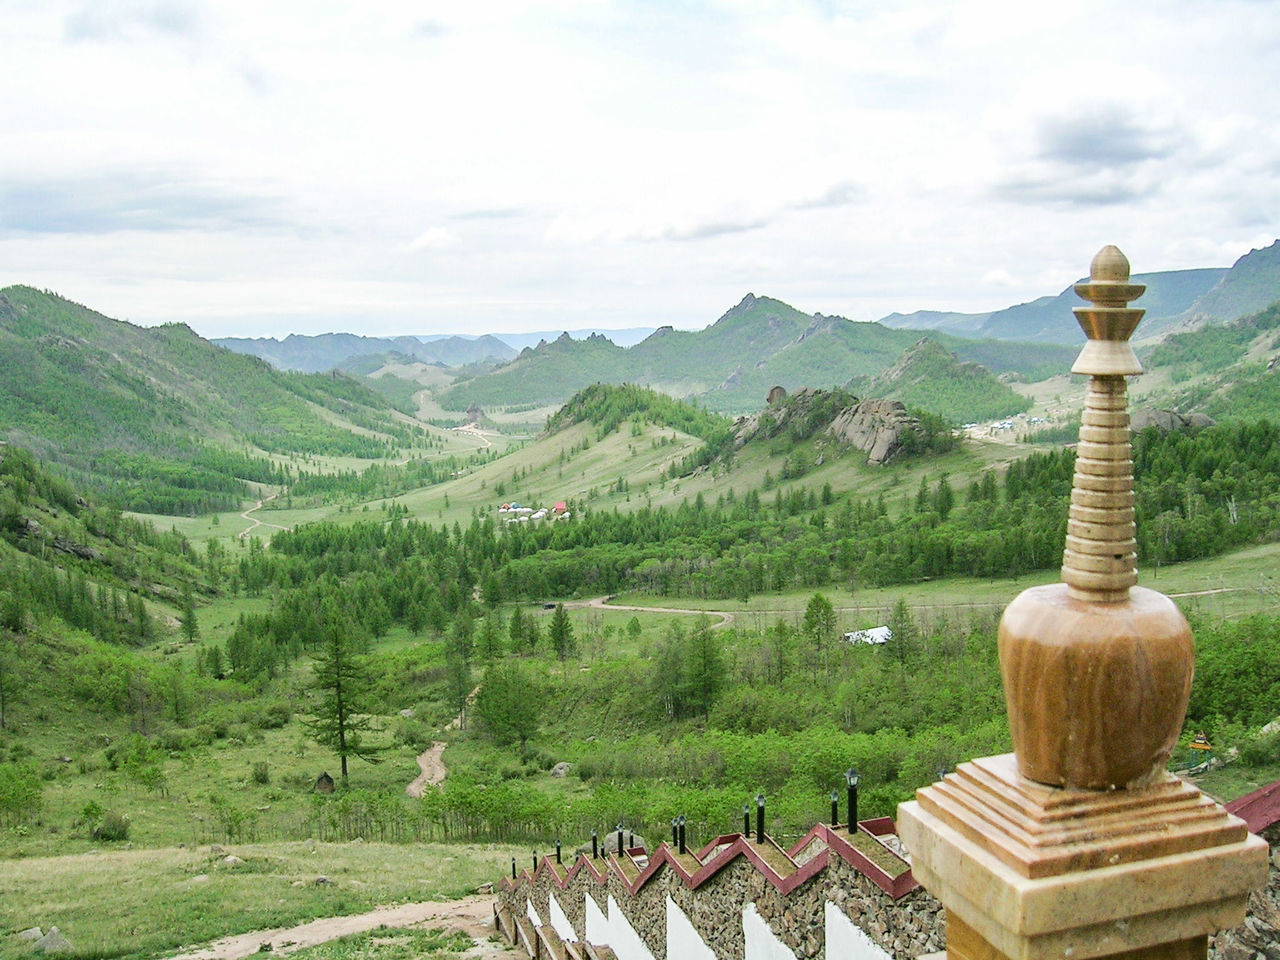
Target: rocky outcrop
(875, 426)
(1258, 938)
(1166, 421)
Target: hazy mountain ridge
(327, 351)
(1049, 319)
(731, 365)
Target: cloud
(712, 228)
(500, 213)
(100, 21)
(1106, 135)
(429, 29)
(1053, 187)
(434, 238)
(129, 201)
(837, 195)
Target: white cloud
(641, 163)
(434, 238)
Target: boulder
(561, 769)
(53, 942)
(875, 426)
(407, 713)
(1167, 421)
(31, 933)
(231, 860)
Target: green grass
(388, 944)
(144, 903)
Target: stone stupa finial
(1100, 559)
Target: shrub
(113, 827)
(1262, 751)
(261, 772)
(21, 792)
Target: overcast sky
(382, 168)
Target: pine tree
(560, 631)
(342, 680)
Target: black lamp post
(675, 832)
(759, 818)
(746, 821)
(595, 846)
(513, 868)
(835, 808)
(680, 823)
(619, 840)
(851, 779)
(558, 860)
(535, 861)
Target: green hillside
(164, 421)
(1252, 283)
(1233, 369)
(731, 365)
(929, 378)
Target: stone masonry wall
(1258, 938)
(906, 928)
(646, 910)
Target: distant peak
(564, 338)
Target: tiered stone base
(1029, 871)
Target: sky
(259, 169)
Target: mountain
(1252, 284)
(929, 377)
(731, 365)
(161, 420)
(1169, 294)
(623, 337)
(327, 351)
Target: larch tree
(342, 680)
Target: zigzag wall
(830, 895)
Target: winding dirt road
(431, 760)
(255, 521)
(470, 915)
(602, 603)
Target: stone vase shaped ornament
(1096, 670)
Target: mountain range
(731, 365)
(1173, 299)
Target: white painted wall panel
(761, 942)
(683, 940)
(626, 943)
(598, 931)
(845, 941)
(532, 913)
(559, 922)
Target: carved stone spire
(1097, 671)
(1099, 562)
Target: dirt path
(255, 521)
(432, 767)
(473, 430)
(471, 915)
(431, 760)
(602, 603)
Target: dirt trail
(602, 603)
(255, 521)
(471, 915)
(431, 760)
(473, 430)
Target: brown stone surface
(1041, 831)
(1096, 692)
(1258, 938)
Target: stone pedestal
(1032, 872)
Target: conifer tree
(341, 678)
